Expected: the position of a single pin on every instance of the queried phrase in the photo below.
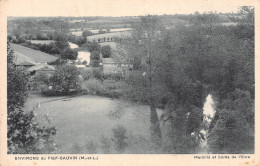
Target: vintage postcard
(128, 82)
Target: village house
(41, 67)
(113, 66)
(26, 64)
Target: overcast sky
(117, 7)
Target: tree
(232, 132)
(84, 62)
(17, 83)
(143, 85)
(232, 128)
(93, 46)
(86, 33)
(68, 53)
(95, 59)
(61, 41)
(65, 78)
(106, 51)
(24, 134)
(176, 69)
(101, 31)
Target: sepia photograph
(180, 83)
(141, 78)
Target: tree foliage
(95, 59)
(86, 33)
(93, 46)
(24, 134)
(177, 68)
(69, 54)
(65, 78)
(106, 51)
(61, 41)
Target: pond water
(208, 112)
(84, 56)
(208, 107)
(72, 45)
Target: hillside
(24, 53)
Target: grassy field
(96, 31)
(85, 119)
(34, 55)
(41, 41)
(111, 44)
(109, 35)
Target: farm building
(110, 66)
(80, 66)
(42, 67)
(26, 64)
(113, 66)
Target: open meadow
(41, 41)
(92, 119)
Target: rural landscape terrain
(154, 84)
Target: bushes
(68, 53)
(95, 87)
(232, 128)
(24, 134)
(86, 74)
(92, 46)
(65, 78)
(64, 81)
(95, 59)
(97, 74)
(114, 76)
(106, 51)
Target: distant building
(26, 64)
(112, 66)
(42, 67)
(80, 66)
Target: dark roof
(41, 67)
(26, 63)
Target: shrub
(68, 53)
(93, 86)
(66, 78)
(97, 74)
(42, 78)
(24, 134)
(114, 76)
(106, 51)
(86, 74)
(92, 46)
(95, 59)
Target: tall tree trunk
(156, 134)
